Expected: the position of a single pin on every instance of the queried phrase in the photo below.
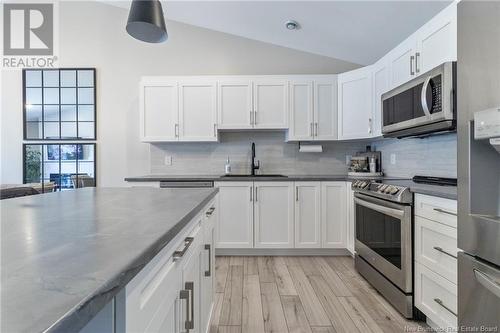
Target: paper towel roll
(311, 148)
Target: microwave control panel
(487, 124)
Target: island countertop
(65, 255)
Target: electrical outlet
(348, 159)
(393, 158)
(168, 160)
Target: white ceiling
(355, 31)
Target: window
(64, 165)
(59, 104)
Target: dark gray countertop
(449, 192)
(66, 254)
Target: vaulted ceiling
(356, 31)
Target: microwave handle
(423, 96)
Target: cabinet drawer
(436, 297)
(436, 247)
(436, 209)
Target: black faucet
(254, 167)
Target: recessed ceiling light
(292, 25)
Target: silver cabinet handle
(251, 117)
(251, 194)
(179, 254)
(256, 198)
(296, 193)
(210, 211)
(411, 65)
(487, 282)
(439, 210)
(316, 129)
(188, 295)
(209, 272)
(440, 302)
(311, 130)
(215, 130)
(440, 249)
(255, 117)
(176, 129)
(417, 55)
(369, 125)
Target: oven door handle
(397, 213)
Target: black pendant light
(146, 21)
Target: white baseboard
(282, 252)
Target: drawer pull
(209, 272)
(179, 254)
(439, 210)
(487, 282)
(440, 302)
(210, 211)
(188, 295)
(437, 248)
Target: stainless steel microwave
(423, 106)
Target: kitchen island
(65, 255)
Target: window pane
(87, 152)
(33, 78)
(33, 163)
(51, 164)
(51, 95)
(86, 130)
(86, 112)
(68, 95)
(85, 96)
(33, 113)
(68, 130)
(86, 78)
(68, 78)
(51, 113)
(51, 78)
(33, 130)
(33, 96)
(68, 112)
(51, 130)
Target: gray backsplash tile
(434, 156)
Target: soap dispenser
(227, 168)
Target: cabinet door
(159, 111)
(333, 214)
(270, 104)
(307, 214)
(380, 86)
(355, 104)
(208, 265)
(437, 40)
(301, 111)
(197, 111)
(325, 109)
(273, 214)
(235, 218)
(351, 232)
(402, 62)
(191, 284)
(235, 109)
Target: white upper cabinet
(325, 109)
(197, 111)
(380, 72)
(273, 214)
(270, 103)
(402, 62)
(301, 110)
(158, 103)
(235, 107)
(355, 104)
(307, 214)
(437, 40)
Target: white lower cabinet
(351, 226)
(235, 220)
(307, 214)
(273, 204)
(172, 293)
(333, 214)
(208, 264)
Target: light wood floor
(299, 294)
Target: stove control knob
(388, 189)
(394, 190)
(382, 188)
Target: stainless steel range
(383, 222)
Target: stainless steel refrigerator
(478, 88)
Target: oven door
(384, 238)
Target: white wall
(93, 35)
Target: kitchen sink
(254, 176)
